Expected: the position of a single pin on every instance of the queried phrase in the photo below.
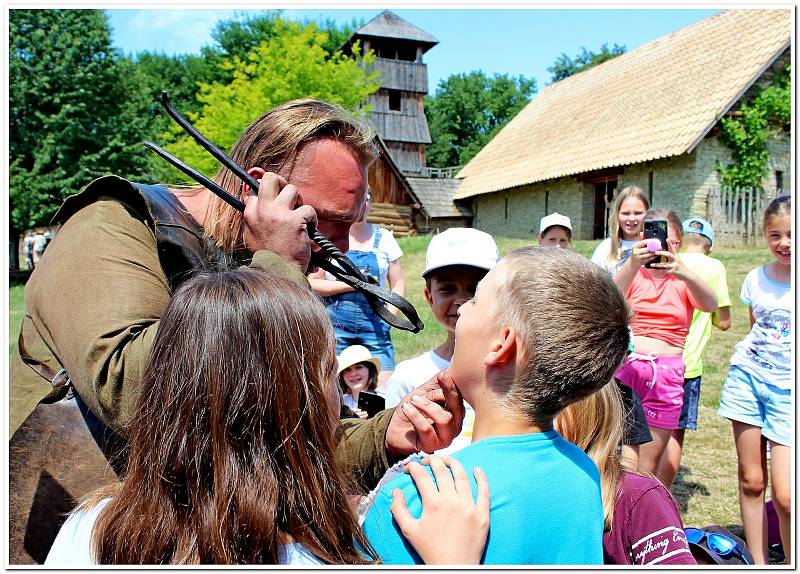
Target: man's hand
(276, 219)
(427, 419)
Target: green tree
(238, 36)
(467, 110)
(291, 64)
(564, 66)
(75, 112)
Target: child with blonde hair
(642, 522)
(624, 225)
(757, 396)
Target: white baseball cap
(461, 246)
(554, 219)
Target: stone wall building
(649, 118)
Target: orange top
(662, 308)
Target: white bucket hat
(461, 246)
(356, 354)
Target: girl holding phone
(663, 298)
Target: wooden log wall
(397, 218)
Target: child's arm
(721, 318)
(752, 317)
(396, 281)
(325, 287)
(639, 256)
(701, 291)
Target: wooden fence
(736, 213)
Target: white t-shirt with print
(600, 255)
(388, 251)
(72, 546)
(766, 351)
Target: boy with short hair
(528, 344)
(697, 244)
(456, 260)
(555, 230)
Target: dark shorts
(691, 402)
(636, 430)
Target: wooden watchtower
(397, 107)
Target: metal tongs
(345, 271)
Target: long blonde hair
(615, 232)
(596, 424)
(273, 143)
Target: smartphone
(656, 228)
(371, 403)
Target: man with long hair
(124, 248)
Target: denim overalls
(353, 320)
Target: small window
(394, 100)
(407, 53)
(778, 180)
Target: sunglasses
(719, 544)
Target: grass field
(706, 488)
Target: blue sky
(515, 41)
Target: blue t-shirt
(545, 503)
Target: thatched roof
(653, 102)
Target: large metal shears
(345, 271)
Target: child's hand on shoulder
(452, 529)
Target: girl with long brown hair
(232, 441)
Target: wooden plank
(746, 198)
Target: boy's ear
(503, 349)
(428, 297)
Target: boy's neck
(503, 424)
(446, 349)
(493, 418)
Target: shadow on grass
(683, 489)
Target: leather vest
(182, 249)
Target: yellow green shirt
(712, 271)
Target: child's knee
(752, 482)
(782, 499)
